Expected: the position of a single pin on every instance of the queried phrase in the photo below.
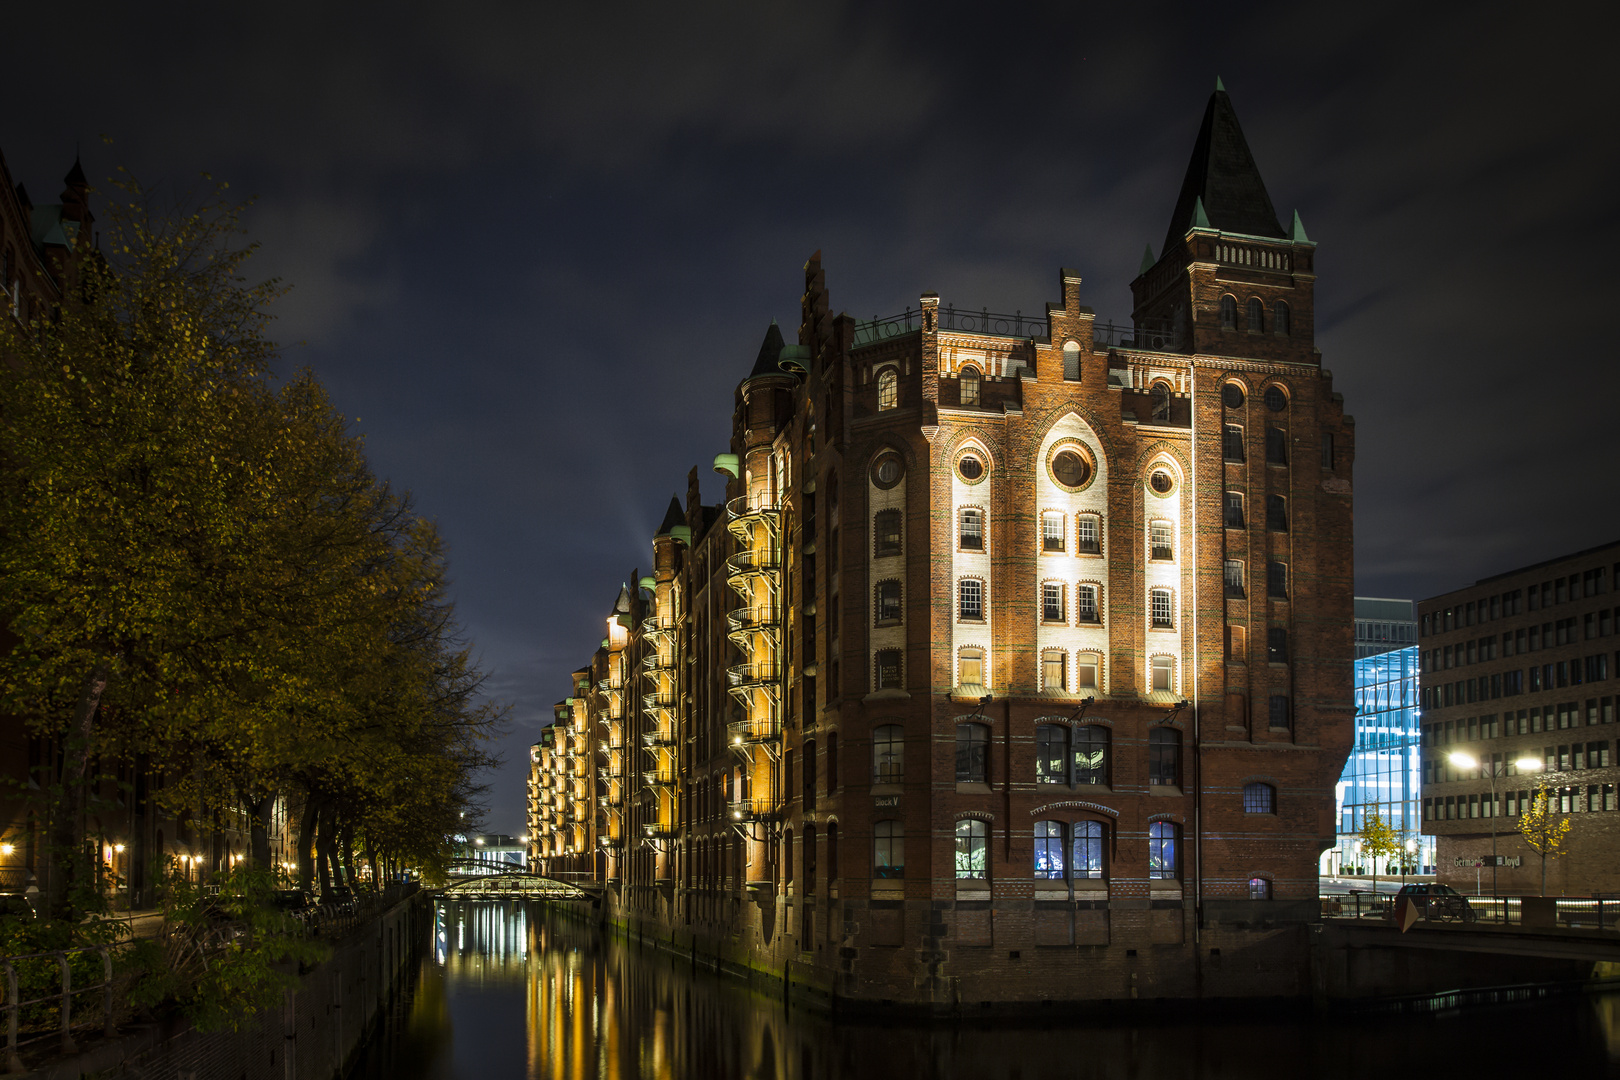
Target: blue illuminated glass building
(1385, 765)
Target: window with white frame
(1054, 669)
(1163, 673)
(1052, 531)
(970, 531)
(1090, 535)
(1161, 537)
(1052, 602)
(1085, 603)
(1088, 667)
(970, 600)
(1161, 609)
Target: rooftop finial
(1220, 87)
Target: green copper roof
(769, 350)
(1147, 260)
(1299, 236)
(1200, 219)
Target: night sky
(534, 247)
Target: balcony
(658, 740)
(752, 563)
(610, 772)
(657, 778)
(658, 700)
(757, 617)
(740, 676)
(754, 732)
(610, 843)
(657, 830)
(758, 809)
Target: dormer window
(970, 385)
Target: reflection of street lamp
(1468, 761)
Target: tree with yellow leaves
(1379, 840)
(1544, 830)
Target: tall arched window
(1161, 401)
(888, 383)
(1279, 319)
(888, 849)
(888, 754)
(970, 385)
(1164, 855)
(972, 850)
(787, 855)
(1228, 313)
(1071, 360)
(1049, 860)
(1164, 757)
(1256, 315)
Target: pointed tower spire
(1200, 220)
(1223, 177)
(1147, 260)
(672, 517)
(1298, 236)
(769, 350)
(1220, 87)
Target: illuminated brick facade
(1017, 662)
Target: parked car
(291, 900)
(338, 894)
(1440, 903)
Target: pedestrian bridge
(474, 880)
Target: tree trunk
(346, 850)
(306, 842)
(259, 811)
(323, 850)
(67, 841)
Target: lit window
(888, 849)
(1051, 754)
(1085, 603)
(1162, 850)
(1163, 673)
(1088, 850)
(971, 530)
(1052, 530)
(1090, 757)
(1259, 798)
(1160, 609)
(888, 388)
(1161, 537)
(972, 667)
(970, 593)
(1049, 850)
(1090, 534)
(1052, 603)
(970, 385)
(888, 754)
(1259, 889)
(1159, 395)
(972, 850)
(1164, 757)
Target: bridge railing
(1590, 913)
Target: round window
(1232, 394)
(1276, 400)
(1071, 469)
(970, 468)
(1162, 482)
(888, 471)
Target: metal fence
(1592, 913)
(50, 1012)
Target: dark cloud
(535, 246)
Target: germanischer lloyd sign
(1487, 860)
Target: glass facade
(1384, 770)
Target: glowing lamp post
(1468, 761)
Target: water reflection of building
(1012, 637)
(1384, 770)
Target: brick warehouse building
(1520, 666)
(1016, 664)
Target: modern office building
(1384, 771)
(1015, 663)
(1520, 667)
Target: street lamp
(1468, 761)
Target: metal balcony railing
(741, 675)
(754, 562)
(657, 830)
(658, 739)
(758, 730)
(755, 809)
(756, 617)
(658, 700)
(658, 779)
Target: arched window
(1071, 360)
(1279, 319)
(887, 602)
(1088, 850)
(1049, 861)
(1164, 757)
(972, 850)
(1164, 855)
(972, 667)
(970, 385)
(888, 754)
(886, 531)
(1090, 758)
(1256, 315)
(1160, 394)
(787, 855)
(888, 382)
(1259, 798)
(972, 753)
(1228, 312)
(1051, 754)
(1259, 889)
(809, 778)
(888, 849)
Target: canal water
(512, 991)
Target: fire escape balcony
(755, 809)
(658, 830)
(748, 512)
(658, 699)
(658, 740)
(756, 731)
(747, 676)
(657, 778)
